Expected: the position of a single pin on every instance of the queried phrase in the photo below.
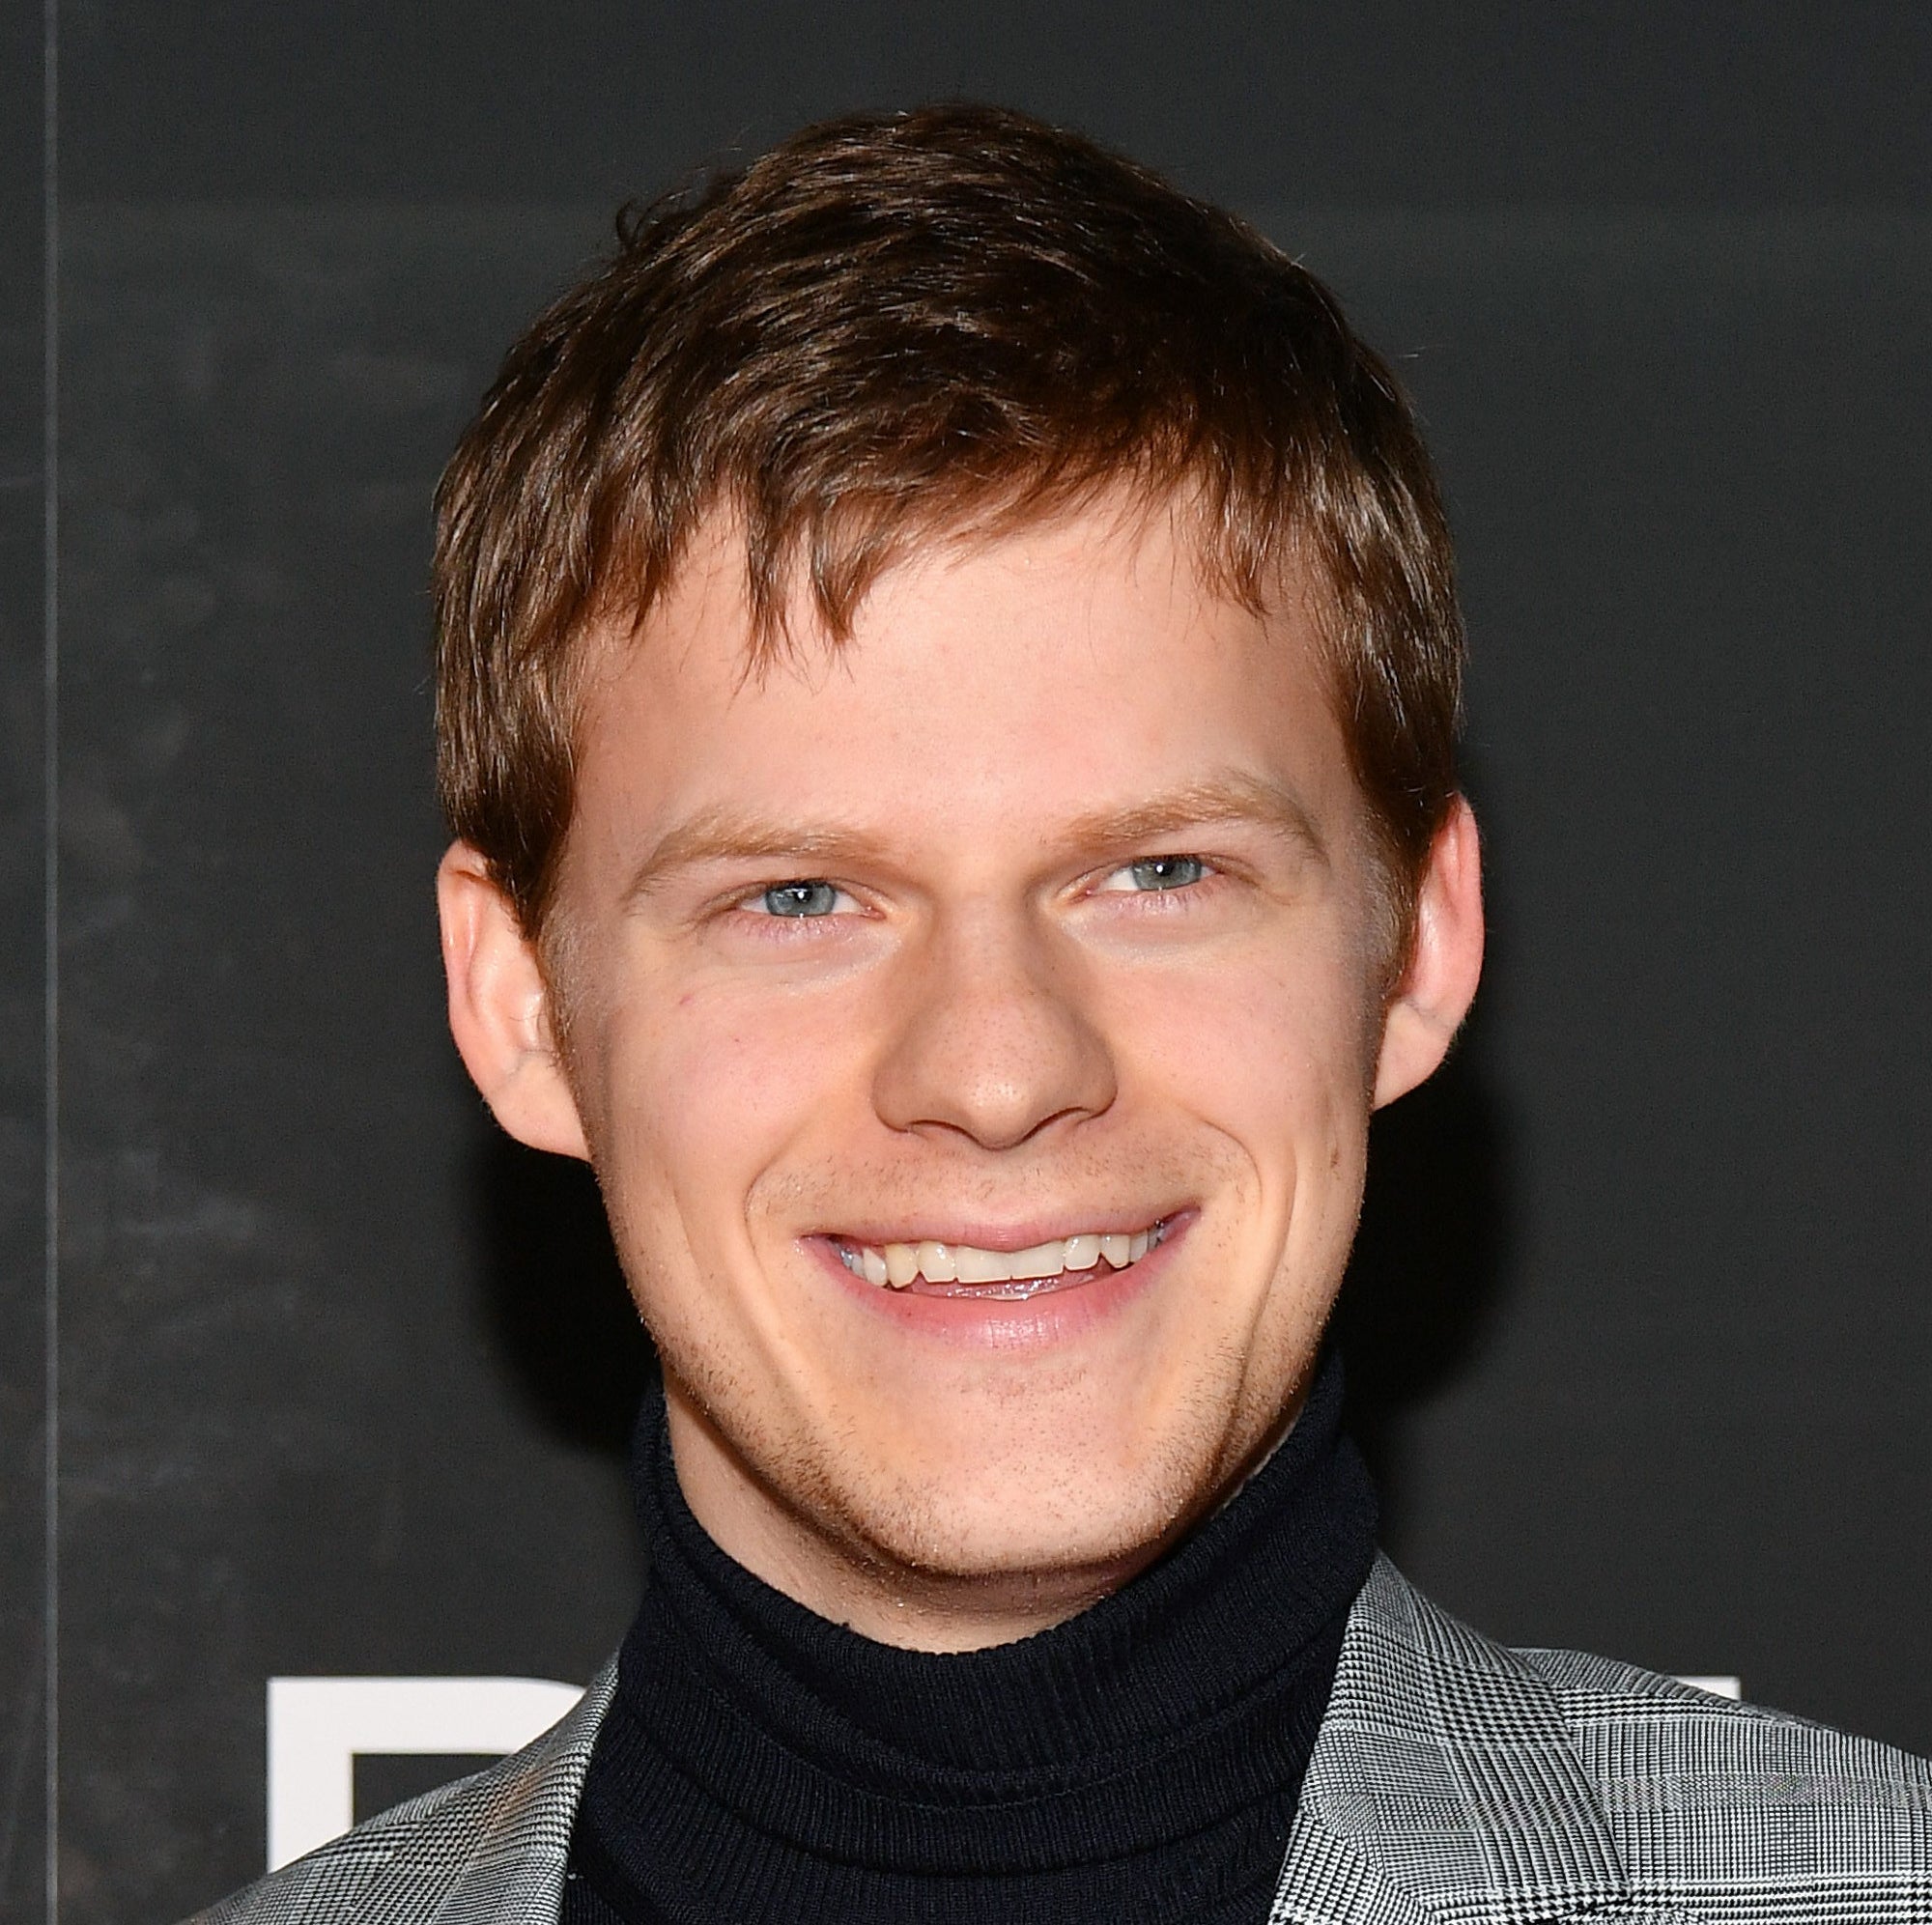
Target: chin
(1088, 1517)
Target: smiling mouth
(962, 1269)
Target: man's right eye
(799, 898)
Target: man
(948, 679)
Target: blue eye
(1167, 871)
(800, 899)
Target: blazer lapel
(1443, 1784)
(501, 1842)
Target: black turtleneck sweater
(1139, 1763)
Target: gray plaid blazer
(1454, 1782)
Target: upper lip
(1023, 1233)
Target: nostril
(987, 1128)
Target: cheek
(704, 1092)
(1275, 1050)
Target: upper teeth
(896, 1264)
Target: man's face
(1039, 918)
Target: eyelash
(1209, 872)
(744, 912)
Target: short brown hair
(896, 325)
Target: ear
(499, 1009)
(1444, 964)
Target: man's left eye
(1158, 872)
(799, 898)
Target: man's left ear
(1445, 962)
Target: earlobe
(1445, 962)
(499, 1008)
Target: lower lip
(1059, 1310)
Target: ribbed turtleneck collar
(1138, 1762)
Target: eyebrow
(1232, 797)
(723, 834)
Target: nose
(994, 1044)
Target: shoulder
(1707, 1780)
(490, 1847)
(1485, 1778)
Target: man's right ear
(499, 1009)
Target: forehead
(1006, 679)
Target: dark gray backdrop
(1641, 1333)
